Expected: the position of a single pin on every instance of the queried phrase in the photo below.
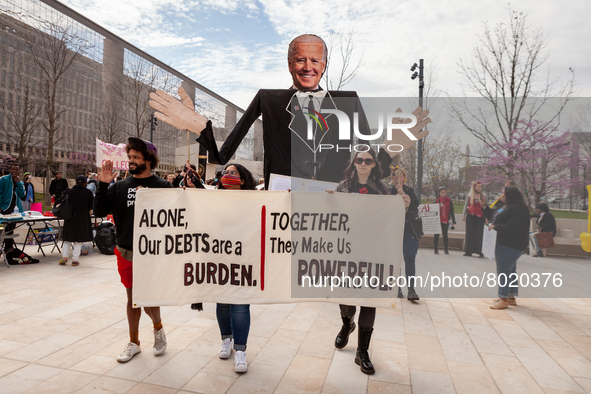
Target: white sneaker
(131, 349)
(226, 349)
(240, 361)
(159, 342)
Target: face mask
(231, 181)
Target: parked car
(550, 200)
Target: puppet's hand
(400, 138)
(179, 114)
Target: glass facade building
(103, 94)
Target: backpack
(63, 208)
(106, 238)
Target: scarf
(231, 181)
(444, 208)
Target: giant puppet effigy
(303, 132)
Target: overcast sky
(236, 47)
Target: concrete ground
(62, 327)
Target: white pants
(76, 253)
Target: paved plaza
(62, 327)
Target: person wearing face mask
(446, 217)
(234, 319)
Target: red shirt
(444, 207)
(474, 208)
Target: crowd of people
(105, 194)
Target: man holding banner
(120, 199)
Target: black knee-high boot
(343, 336)
(362, 356)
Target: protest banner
(274, 247)
(115, 153)
(429, 214)
(489, 242)
(282, 182)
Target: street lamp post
(420, 144)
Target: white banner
(282, 182)
(265, 247)
(429, 214)
(115, 153)
(489, 242)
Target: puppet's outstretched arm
(402, 139)
(180, 114)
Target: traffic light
(153, 122)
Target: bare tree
(407, 159)
(23, 117)
(80, 159)
(109, 124)
(54, 47)
(139, 79)
(504, 70)
(340, 71)
(443, 161)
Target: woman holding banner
(474, 218)
(234, 320)
(361, 176)
(512, 226)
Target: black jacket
(120, 199)
(512, 225)
(79, 228)
(412, 222)
(58, 187)
(287, 149)
(547, 223)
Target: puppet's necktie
(315, 130)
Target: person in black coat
(546, 223)
(474, 218)
(413, 229)
(78, 229)
(512, 226)
(58, 186)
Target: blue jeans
(234, 322)
(410, 246)
(506, 259)
(535, 248)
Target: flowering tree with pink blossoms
(538, 156)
